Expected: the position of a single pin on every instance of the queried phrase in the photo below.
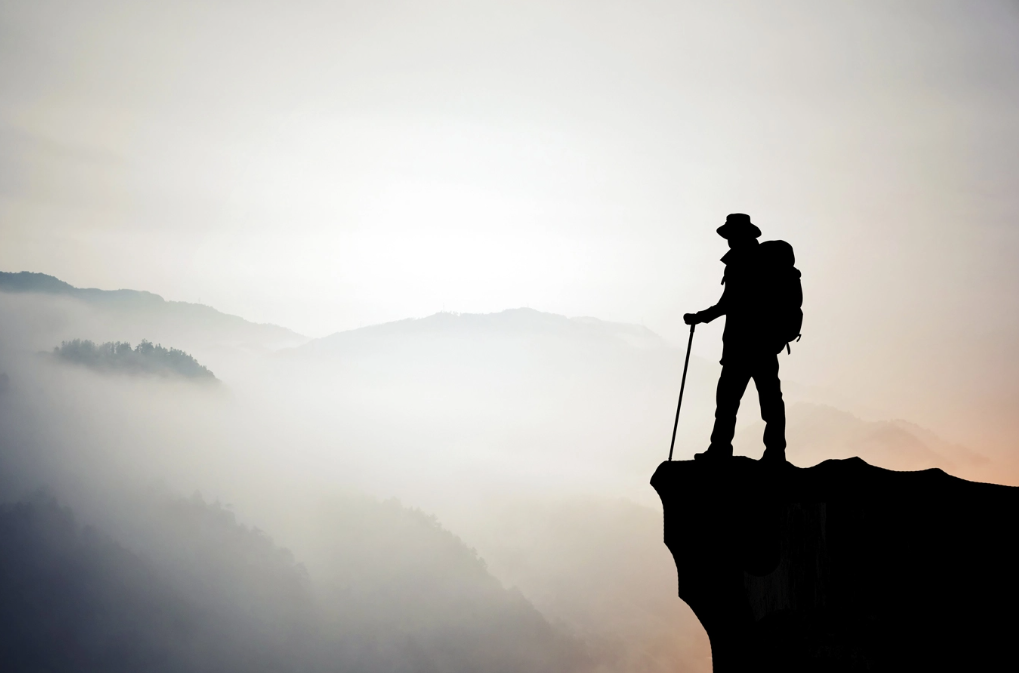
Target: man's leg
(731, 385)
(769, 390)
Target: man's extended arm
(708, 314)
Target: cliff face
(844, 566)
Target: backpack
(783, 293)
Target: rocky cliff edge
(844, 566)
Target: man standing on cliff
(761, 303)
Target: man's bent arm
(709, 314)
(719, 309)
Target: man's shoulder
(741, 258)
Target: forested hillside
(145, 358)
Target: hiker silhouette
(761, 304)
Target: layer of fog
(287, 440)
(530, 436)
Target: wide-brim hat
(738, 225)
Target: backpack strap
(787, 347)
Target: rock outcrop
(844, 566)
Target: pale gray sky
(328, 165)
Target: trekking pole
(682, 386)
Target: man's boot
(715, 452)
(774, 456)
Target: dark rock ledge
(844, 566)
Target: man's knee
(729, 393)
(773, 411)
(769, 390)
(732, 383)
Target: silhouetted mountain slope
(202, 593)
(843, 566)
(398, 576)
(48, 310)
(74, 600)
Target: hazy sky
(328, 165)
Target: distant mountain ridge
(133, 315)
(539, 355)
(509, 323)
(819, 430)
(28, 281)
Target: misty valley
(460, 492)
